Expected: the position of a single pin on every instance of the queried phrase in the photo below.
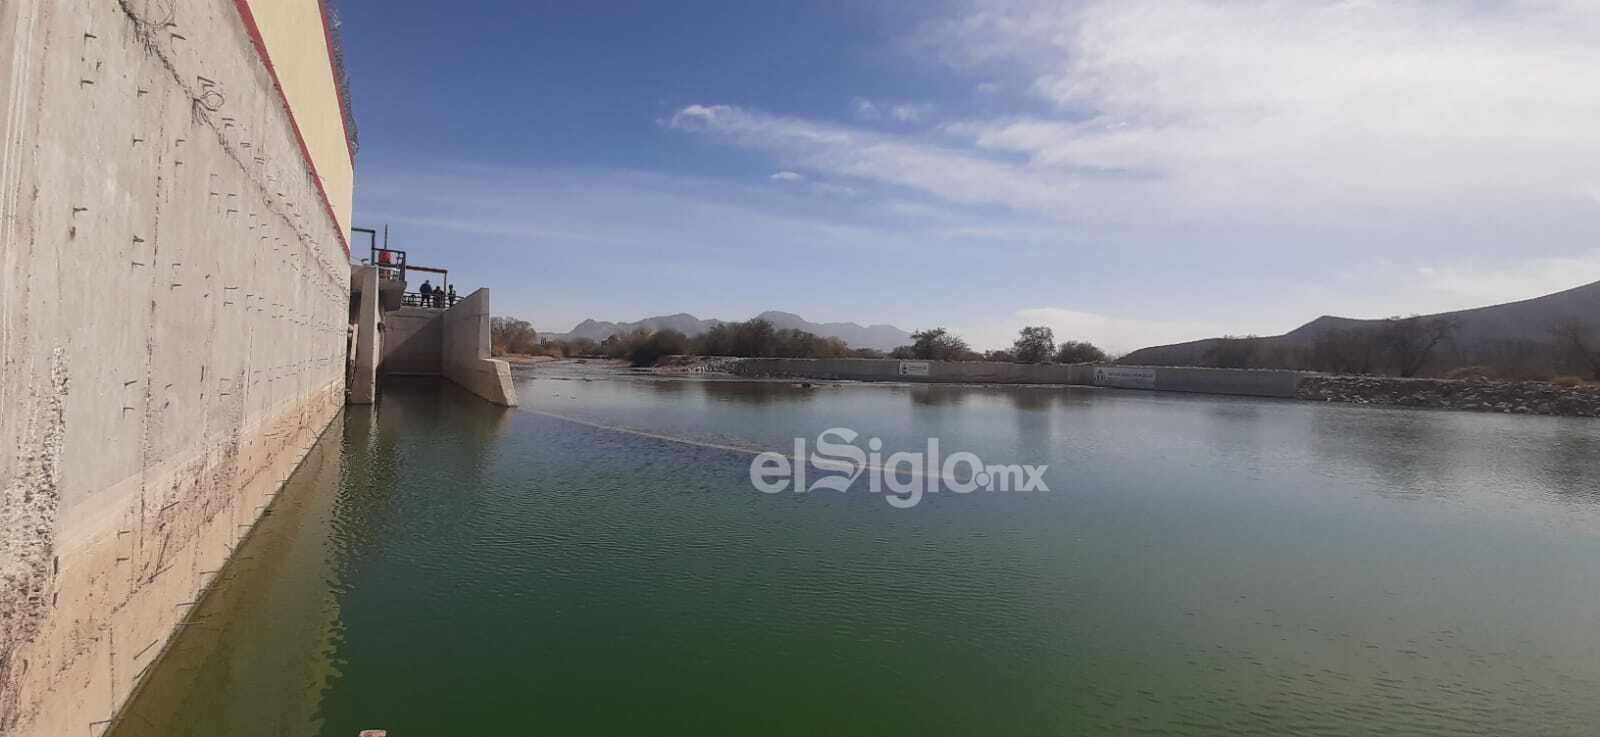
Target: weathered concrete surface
(413, 342)
(363, 381)
(466, 352)
(173, 315)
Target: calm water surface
(597, 563)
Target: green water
(597, 563)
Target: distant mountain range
(1528, 320)
(881, 337)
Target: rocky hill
(1476, 331)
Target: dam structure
(400, 333)
(178, 323)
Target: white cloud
(1308, 105)
(1188, 110)
(787, 176)
(949, 173)
(911, 113)
(833, 189)
(1476, 284)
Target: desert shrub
(651, 348)
(934, 345)
(759, 339)
(1233, 352)
(1079, 351)
(508, 335)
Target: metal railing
(435, 301)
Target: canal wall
(173, 319)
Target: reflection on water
(1201, 566)
(253, 658)
(261, 648)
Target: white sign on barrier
(913, 368)
(1125, 378)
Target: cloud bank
(1296, 112)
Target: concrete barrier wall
(173, 331)
(466, 352)
(1244, 382)
(1198, 380)
(413, 342)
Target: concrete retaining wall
(173, 331)
(466, 352)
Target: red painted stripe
(249, 20)
(333, 64)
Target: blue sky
(1130, 172)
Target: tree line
(641, 347)
(1398, 346)
(1034, 344)
(761, 339)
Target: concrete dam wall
(174, 297)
